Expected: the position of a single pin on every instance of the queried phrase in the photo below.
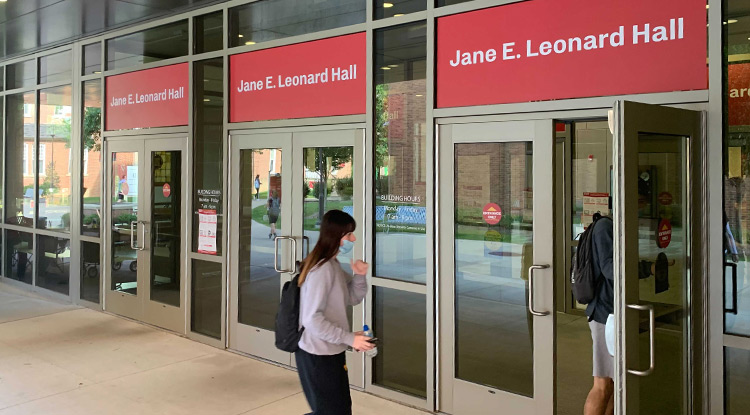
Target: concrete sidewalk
(56, 359)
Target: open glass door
(496, 283)
(146, 230)
(657, 267)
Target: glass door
(262, 242)
(282, 184)
(496, 253)
(329, 165)
(657, 266)
(146, 232)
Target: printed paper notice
(594, 203)
(207, 231)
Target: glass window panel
(91, 161)
(152, 45)
(737, 170)
(124, 183)
(2, 78)
(260, 218)
(55, 68)
(400, 322)
(208, 156)
(397, 8)
(491, 264)
(329, 184)
(401, 153)
(21, 74)
(206, 295)
(53, 262)
(276, 19)
(54, 154)
(19, 253)
(90, 271)
(166, 226)
(19, 175)
(209, 33)
(737, 381)
(441, 3)
(591, 172)
(2, 159)
(92, 58)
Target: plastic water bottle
(367, 332)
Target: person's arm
(312, 309)
(357, 289)
(603, 244)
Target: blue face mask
(346, 247)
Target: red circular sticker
(166, 190)
(665, 198)
(664, 233)
(492, 213)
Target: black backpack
(287, 330)
(583, 278)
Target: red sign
(739, 94)
(664, 233)
(665, 198)
(152, 98)
(166, 190)
(526, 51)
(313, 79)
(491, 213)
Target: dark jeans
(325, 382)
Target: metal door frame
(141, 307)
(541, 134)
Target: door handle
(133, 224)
(652, 349)
(306, 239)
(143, 235)
(531, 291)
(733, 309)
(276, 253)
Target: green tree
(92, 129)
(51, 179)
(325, 161)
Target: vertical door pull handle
(652, 349)
(531, 291)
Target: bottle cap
(365, 328)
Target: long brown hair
(333, 227)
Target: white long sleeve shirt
(324, 297)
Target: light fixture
(393, 66)
(240, 35)
(385, 68)
(398, 15)
(730, 21)
(95, 72)
(206, 100)
(420, 95)
(387, 5)
(249, 42)
(707, 6)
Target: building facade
(172, 171)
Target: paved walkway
(57, 359)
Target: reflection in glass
(209, 35)
(737, 381)
(124, 197)
(20, 125)
(2, 159)
(55, 159)
(665, 282)
(493, 329)
(592, 158)
(19, 253)
(151, 45)
(92, 58)
(397, 8)
(20, 75)
(208, 153)
(401, 153)
(206, 294)
(276, 19)
(441, 3)
(329, 184)
(55, 68)
(53, 263)
(166, 226)
(260, 221)
(91, 160)
(90, 271)
(400, 323)
(736, 170)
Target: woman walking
(326, 291)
